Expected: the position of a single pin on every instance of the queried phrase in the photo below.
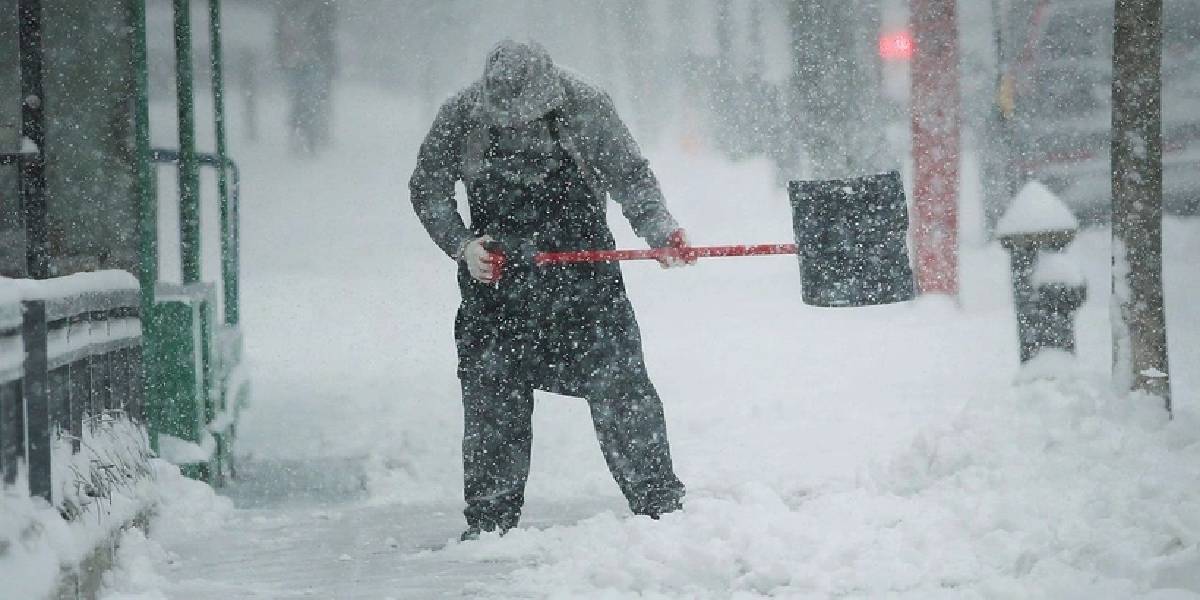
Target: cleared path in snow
(343, 550)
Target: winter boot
(658, 507)
(501, 525)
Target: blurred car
(1062, 110)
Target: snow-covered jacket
(588, 129)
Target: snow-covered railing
(70, 361)
(74, 450)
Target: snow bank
(1055, 488)
(33, 541)
(185, 508)
(1050, 364)
(36, 542)
(108, 479)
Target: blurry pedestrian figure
(539, 151)
(306, 48)
(247, 79)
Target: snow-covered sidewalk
(1054, 488)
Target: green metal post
(235, 235)
(229, 272)
(147, 192)
(189, 173)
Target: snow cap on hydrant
(520, 84)
(1036, 209)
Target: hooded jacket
(522, 84)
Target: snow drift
(1055, 488)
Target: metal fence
(70, 351)
(190, 375)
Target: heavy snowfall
(901, 450)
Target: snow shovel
(851, 241)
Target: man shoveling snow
(538, 150)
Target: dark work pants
(498, 435)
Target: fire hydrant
(1048, 287)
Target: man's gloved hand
(484, 266)
(678, 241)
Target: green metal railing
(189, 173)
(191, 372)
(195, 387)
(228, 214)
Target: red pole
(935, 144)
(551, 258)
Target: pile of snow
(103, 487)
(1056, 488)
(99, 489)
(1036, 209)
(185, 508)
(34, 541)
(182, 452)
(107, 480)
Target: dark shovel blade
(852, 239)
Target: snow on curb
(37, 542)
(97, 490)
(1055, 488)
(185, 508)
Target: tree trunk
(1139, 319)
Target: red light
(896, 46)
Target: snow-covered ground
(827, 452)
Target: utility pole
(1140, 329)
(935, 144)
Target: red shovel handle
(586, 256)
